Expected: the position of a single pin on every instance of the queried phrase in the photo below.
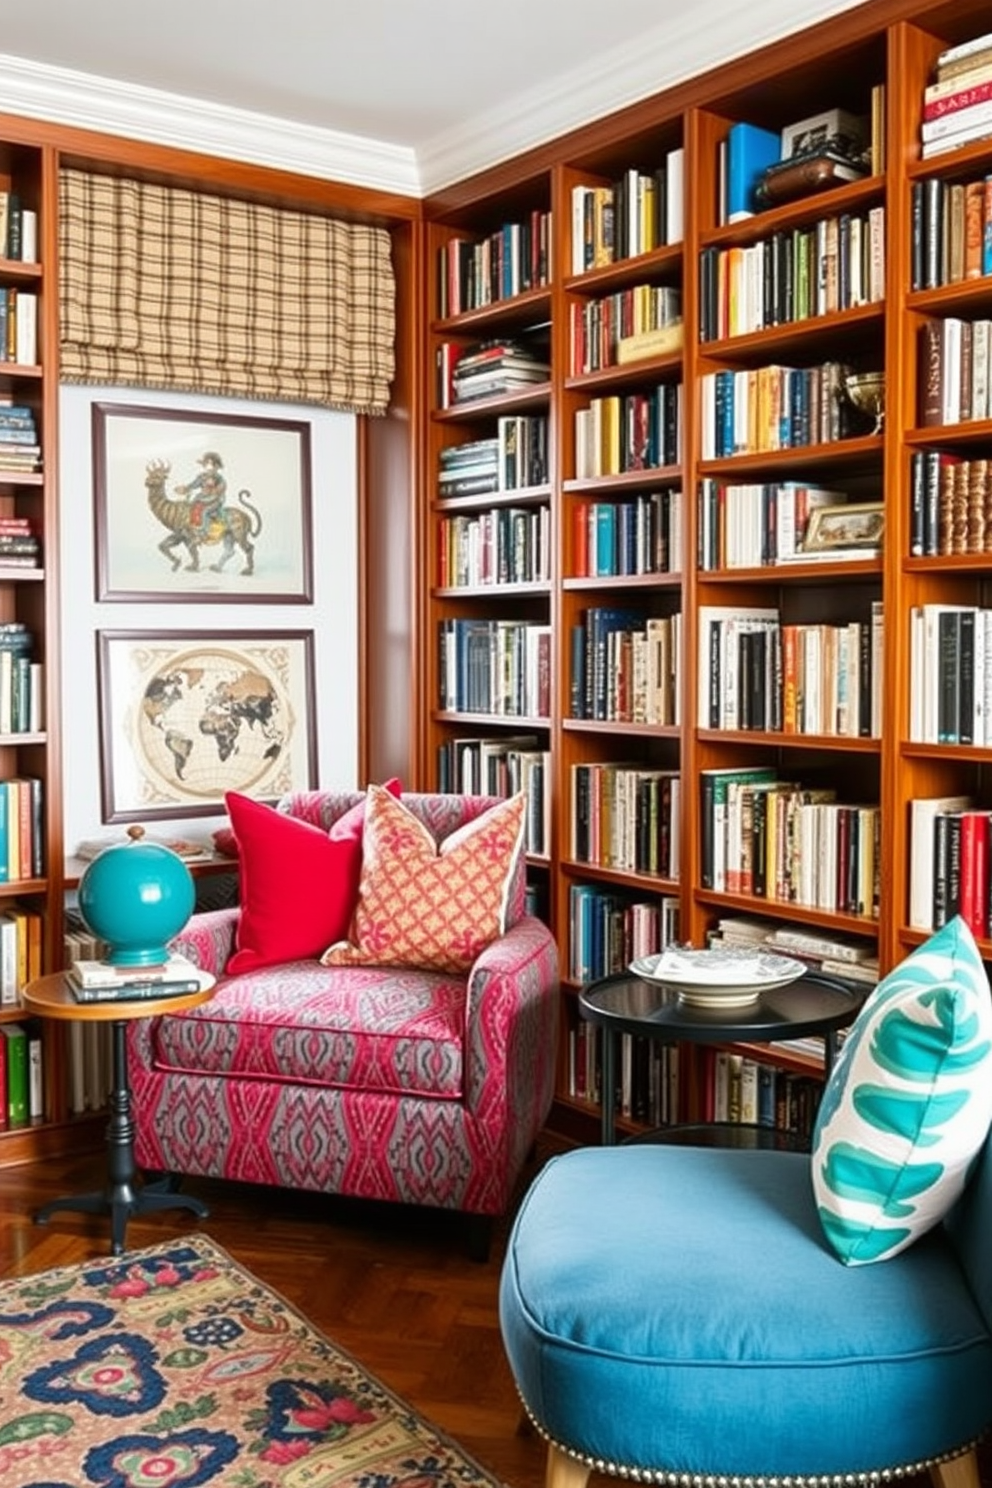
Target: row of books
(600, 327)
(22, 1081)
(955, 365)
(607, 929)
(639, 535)
(487, 370)
(626, 817)
(513, 459)
(660, 1084)
(502, 767)
(507, 545)
(18, 228)
(20, 546)
(626, 667)
(636, 431)
(21, 829)
(834, 264)
(950, 668)
(952, 230)
(852, 958)
(20, 951)
(808, 678)
(776, 839)
(950, 504)
(473, 272)
(949, 864)
(636, 213)
(957, 103)
(756, 409)
(89, 1052)
(19, 331)
(753, 525)
(501, 668)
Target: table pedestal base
(123, 1195)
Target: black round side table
(815, 1004)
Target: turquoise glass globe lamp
(136, 896)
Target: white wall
(333, 615)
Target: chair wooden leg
(960, 1472)
(563, 1471)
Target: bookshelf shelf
(873, 61)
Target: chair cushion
(384, 1031)
(909, 1101)
(429, 905)
(298, 884)
(677, 1309)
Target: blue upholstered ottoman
(673, 1312)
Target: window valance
(167, 288)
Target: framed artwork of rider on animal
(205, 507)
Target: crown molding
(62, 96)
(707, 33)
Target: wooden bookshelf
(845, 62)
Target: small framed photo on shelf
(187, 715)
(836, 129)
(201, 507)
(856, 525)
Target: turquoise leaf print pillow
(909, 1101)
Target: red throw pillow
(298, 885)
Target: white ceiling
(405, 95)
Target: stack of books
(101, 981)
(957, 104)
(494, 367)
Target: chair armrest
(512, 1031)
(208, 939)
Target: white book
(26, 326)
(976, 116)
(88, 973)
(29, 235)
(965, 49)
(36, 1082)
(749, 1092)
(980, 369)
(921, 865)
(674, 199)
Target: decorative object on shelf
(136, 896)
(207, 506)
(866, 391)
(832, 162)
(859, 524)
(722, 977)
(835, 129)
(186, 716)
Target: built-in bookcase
(678, 504)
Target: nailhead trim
(736, 1480)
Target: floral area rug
(173, 1367)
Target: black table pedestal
(123, 1194)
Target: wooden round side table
(52, 997)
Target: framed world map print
(186, 716)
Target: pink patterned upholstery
(379, 1082)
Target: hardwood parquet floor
(393, 1286)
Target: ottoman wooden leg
(563, 1471)
(960, 1472)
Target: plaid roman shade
(168, 288)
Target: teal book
(750, 151)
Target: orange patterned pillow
(420, 904)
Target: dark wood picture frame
(201, 507)
(187, 715)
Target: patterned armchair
(392, 1083)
